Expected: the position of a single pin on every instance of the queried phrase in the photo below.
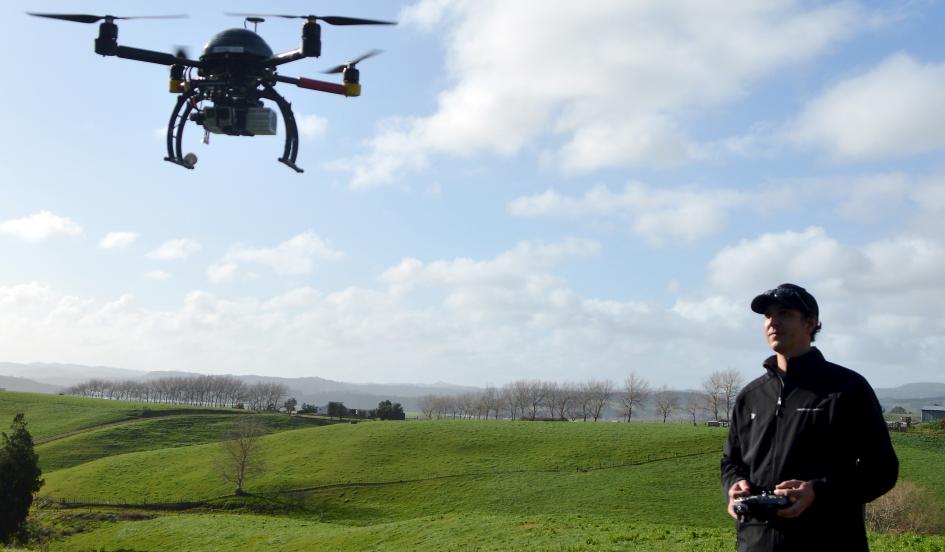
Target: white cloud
(173, 250)
(610, 81)
(222, 272)
(159, 275)
(32, 293)
(40, 226)
(294, 256)
(117, 240)
(658, 215)
(510, 316)
(894, 109)
(311, 126)
(770, 259)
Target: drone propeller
(330, 19)
(341, 68)
(83, 18)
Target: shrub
(905, 509)
(935, 425)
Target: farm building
(930, 413)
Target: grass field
(51, 415)
(416, 485)
(151, 434)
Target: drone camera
(240, 121)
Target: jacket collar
(798, 366)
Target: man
(808, 430)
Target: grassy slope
(531, 486)
(380, 452)
(49, 415)
(150, 434)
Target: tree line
(214, 391)
(587, 401)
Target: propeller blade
(84, 18)
(353, 62)
(330, 19)
(78, 18)
(335, 20)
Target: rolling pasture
(415, 485)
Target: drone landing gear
(185, 105)
(175, 130)
(291, 150)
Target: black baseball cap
(789, 295)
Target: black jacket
(821, 422)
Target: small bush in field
(905, 509)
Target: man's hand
(800, 493)
(740, 488)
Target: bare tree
(585, 400)
(242, 451)
(507, 400)
(560, 400)
(537, 393)
(521, 394)
(490, 400)
(666, 402)
(600, 394)
(731, 385)
(712, 386)
(427, 404)
(721, 388)
(635, 392)
(694, 404)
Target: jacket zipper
(778, 414)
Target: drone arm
(323, 86)
(285, 57)
(151, 56)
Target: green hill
(169, 431)
(418, 485)
(390, 452)
(52, 415)
(355, 484)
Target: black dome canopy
(237, 41)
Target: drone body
(234, 74)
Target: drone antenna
(254, 20)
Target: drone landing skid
(291, 150)
(291, 165)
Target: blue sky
(524, 190)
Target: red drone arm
(321, 86)
(346, 89)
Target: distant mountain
(64, 375)
(912, 391)
(319, 391)
(313, 390)
(10, 383)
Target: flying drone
(235, 73)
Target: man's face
(787, 330)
